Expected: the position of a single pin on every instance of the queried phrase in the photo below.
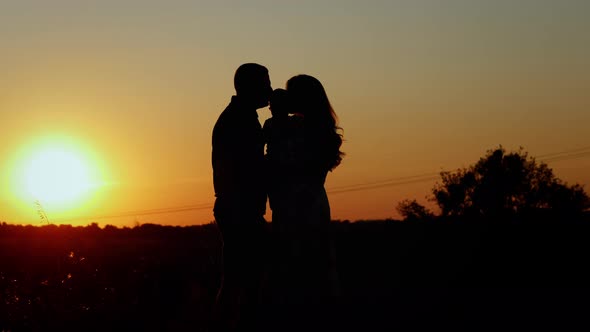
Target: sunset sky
(132, 89)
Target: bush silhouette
(411, 210)
(504, 183)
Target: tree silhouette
(504, 183)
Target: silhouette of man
(238, 178)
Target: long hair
(311, 100)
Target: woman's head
(309, 98)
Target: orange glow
(57, 175)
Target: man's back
(238, 160)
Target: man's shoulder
(235, 119)
(226, 116)
(233, 112)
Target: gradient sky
(419, 87)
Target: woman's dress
(304, 255)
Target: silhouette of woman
(301, 210)
(321, 152)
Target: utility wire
(396, 179)
(549, 155)
(391, 182)
(143, 212)
(568, 157)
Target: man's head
(252, 84)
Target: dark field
(445, 274)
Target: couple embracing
(302, 146)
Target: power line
(143, 212)
(568, 157)
(550, 155)
(382, 185)
(401, 178)
(391, 182)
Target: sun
(57, 175)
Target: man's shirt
(238, 160)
